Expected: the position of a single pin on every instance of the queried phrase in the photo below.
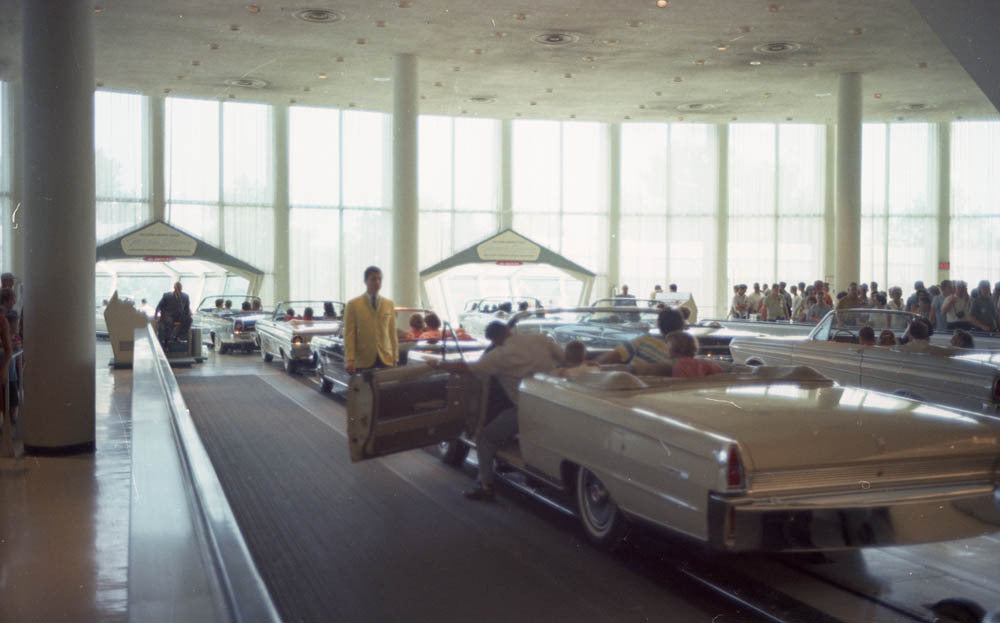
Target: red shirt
(688, 367)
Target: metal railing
(12, 431)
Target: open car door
(396, 409)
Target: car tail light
(237, 327)
(297, 340)
(735, 476)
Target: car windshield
(320, 310)
(228, 303)
(845, 323)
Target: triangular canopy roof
(507, 246)
(159, 241)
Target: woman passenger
(683, 346)
(887, 338)
(962, 339)
(433, 331)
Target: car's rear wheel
(453, 452)
(266, 356)
(288, 362)
(325, 384)
(602, 520)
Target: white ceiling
(630, 59)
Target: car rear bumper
(854, 520)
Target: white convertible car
(229, 329)
(765, 459)
(287, 334)
(967, 379)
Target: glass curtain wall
(5, 175)
(219, 178)
(459, 184)
(559, 190)
(899, 204)
(121, 162)
(669, 209)
(776, 203)
(975, 201)
(340, 219)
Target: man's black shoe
(481, 494)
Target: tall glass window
(219, 178)
(975, 201)
(560, 190)
(121, 163)
(340, 220)
(899, 203)
(669, 175)
(5, 207)
(776, 203)
(459, 182)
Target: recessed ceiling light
(809, 64)
(695, 107)
(610, 42)
(98, 10)
(856, 31)
(382, 79)
(767, 96)
(681, 118)
(700, 62)
(253, 9)
(661, 3)
(245, 82)
(755, 63)
(588, 59)
(556, 38)
(321, 76)
(318, 16)
(498, 34)
(878, 96)
(722, 47)
(824, 94)
(914, 107)
(481, 99)
(777, 47)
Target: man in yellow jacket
(370, 339)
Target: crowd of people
(948, 306)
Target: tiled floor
(64, 520)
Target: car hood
(782, 426)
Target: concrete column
(156, 126)
(722, 292)
(282, 211)
(506, 175)
(59, 214)
(405, 222)
(847, 239)
(830, 205)
(944, 200)
(614, 208)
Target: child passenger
(683, 346)
(576, 361)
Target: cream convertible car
(765, 459)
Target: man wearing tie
(370, 339)
(174, 307)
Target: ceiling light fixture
(610, 42)
(722, 47)
(253, 9)
(98, 10)
(777, 47)
(661, 3)
(556, 38)
(700, 62)
(588, 59)
(878, 96)
(245, 82)
(755, 63)
(856, 31)
(499, 34)
(695, 107)
(481, 99)
(321, 76)
(318, 16)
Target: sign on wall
(508, 247)
(159, 240)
